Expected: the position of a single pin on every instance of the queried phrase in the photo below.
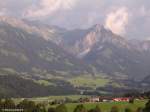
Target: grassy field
(106, 106)
(44, 82)
(73, 97)
(88, 81)
(50, 98)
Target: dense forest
(14, 86)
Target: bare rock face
(81, 42)
(108, 52)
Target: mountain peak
(97, 27)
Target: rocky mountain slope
(109, 53)
(51, 55)
(28, 53)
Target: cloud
(48, 7)
(129, 18)
(143, 11)
(3, 12)
(117, 21)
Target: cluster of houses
(101, 99)
(94, 99)
(107, 99)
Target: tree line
(25, 105)
(30, 106)
(81, 108)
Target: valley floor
(105, 106)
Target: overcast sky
(129, 18)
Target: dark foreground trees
(128, 110)
(147, 107)
(7, 103)
(96, 109)
(139, 109)
(114, 109)
(30, 106)
(80, 108)
(61, 108)
(27, 106)
(51, 110)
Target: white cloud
(117, 20)
(48, 7)
(134, 14)
(143, 11)
(3, 12)
(91, 18)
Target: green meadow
(106, 106)
(88, 81)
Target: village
(94, 99)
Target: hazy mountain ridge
(103, 49)
(38, 51)
(27, 52)
(94, 37)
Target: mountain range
(53, 57)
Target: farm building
(121, 99)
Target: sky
(128, 18)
